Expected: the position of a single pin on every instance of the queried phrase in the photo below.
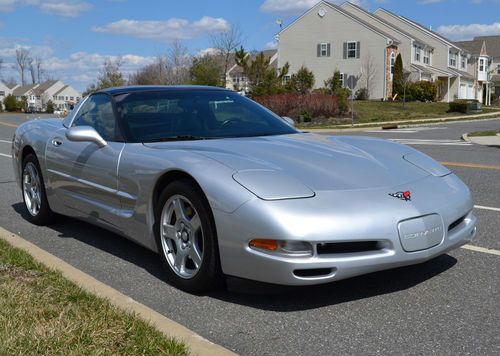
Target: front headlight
(427, 163)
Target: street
(449, 305)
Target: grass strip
(41, 312)
(484, 133)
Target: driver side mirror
(85, 134)
(288, 120)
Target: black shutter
(345, 50)
(319, 50)
(358, 49)
(328, 50)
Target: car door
(82, 175)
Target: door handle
(56, 142)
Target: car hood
(318, 162)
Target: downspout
(385, 74)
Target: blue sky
(74, 36)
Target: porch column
(448, 93)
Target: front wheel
(186, 238)
(34, 196)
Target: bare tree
(1, 66)
(226, 43)
(32, 71)
(369, 72)
(405, 80)
(39, 69)
(23, 60)
(178, 61)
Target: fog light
(282, 247)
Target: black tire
(44, 216)
(209, 274)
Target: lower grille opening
(314, 272)
(349, 247)
(456, 223)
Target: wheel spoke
(179, 260)
(169, 231)
(195, 223)
(180, 214)
(195, 256)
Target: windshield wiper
(180, 138)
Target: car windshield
(195, 114)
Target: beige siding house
(484, 64)
(449, 62)
(347, 37)
(328, 38)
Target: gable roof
(60, 90)
(419, 26)
(474, 46)
(44, 86)
(347, 14)
(23, 89)
(385, 22)
(10, 85)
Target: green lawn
(43, 313)
(485, 133)
(378, 111)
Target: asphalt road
(447, 306)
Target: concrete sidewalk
(484, 140)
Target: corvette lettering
(424, 233)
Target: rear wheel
(34, 196)
(186, 238)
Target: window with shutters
(324, 50)
(352, 49)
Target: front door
(82, 176)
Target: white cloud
(287, 7)
(7, 5)
(78, 69)
(207, 51)
(167, 30)
(65, 8)
(463, 32)
(271, 45)
(297, 7)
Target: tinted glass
(153, 116)
(97, 112)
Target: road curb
(196, 343)
(465, 137)
(408, 123)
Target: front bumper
(366, 216)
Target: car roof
(146, 88)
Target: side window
(97, 112)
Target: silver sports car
(219, 185)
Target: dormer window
(482, 66)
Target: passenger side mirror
(85, 134)
(289, 121)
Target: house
(5, 89)
(66, 97)
(237, 80)
(327, 38)
(485, 64)
(454, 82)
(38, 95)
(363, 46)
